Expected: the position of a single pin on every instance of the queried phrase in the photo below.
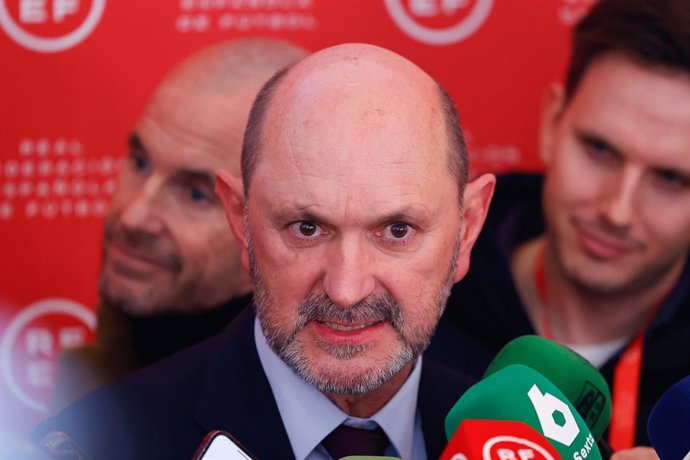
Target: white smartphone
(219, 445)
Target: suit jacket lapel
(439, 389)
(246, 408)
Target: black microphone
(669, 423)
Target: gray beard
(372, 308)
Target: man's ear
(476, 200)
(552, 106)
(230, 191)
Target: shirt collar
(308, 415)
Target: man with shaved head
(354, 217)
(171, 273)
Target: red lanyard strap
(626, 375)
(626, 391)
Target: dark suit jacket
(165, 410)
(124, 343)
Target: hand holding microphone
(636, 453)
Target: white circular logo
(515, 441)
(32, 12)
(465, 26)
(41, 343)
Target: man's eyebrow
(590, 137)
(183, 174)
(196, 176)
(411, 214)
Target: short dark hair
(655, 33)
(251, 144)
(458, 163)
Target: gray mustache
(319, 307)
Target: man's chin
(348, 383)
(601, 281)
(356, 375)
(134, 293)
(132, 302)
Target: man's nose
(618, 204)
(349, 275)
(143, 211)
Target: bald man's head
(212, 91)
(167, 247)
(351, 226)
(226, 64)
(353, 56)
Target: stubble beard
(412, 340)
(149, 298)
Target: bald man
(354, 217)
(171, 273)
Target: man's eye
(600, 151)
(672, 179)
(139, 162)
(599, 148)
(305, 228)
(197, 195)
(397, 231)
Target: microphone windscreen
(519, 393)
(580, 382)
(669, 422)
(498, 440)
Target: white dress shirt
(308, 415)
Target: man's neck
(573, 315)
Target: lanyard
(626, 375)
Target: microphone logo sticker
(440, 22)
(513, 448)
(31, 343)
(556, 420)
(590, 403)
(50, 26)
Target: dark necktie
(346, 440)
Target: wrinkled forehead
(371, 108)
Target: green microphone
(520, 393)
(580, 382)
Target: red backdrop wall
(76, 74)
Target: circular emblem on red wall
(439, 22)
(50, 26)
(32, 341)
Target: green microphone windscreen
(520, 393)
(580, 382)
